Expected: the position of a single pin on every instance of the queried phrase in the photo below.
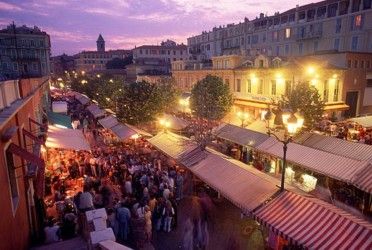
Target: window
(249, 86)
(248, 39)
(355, 5)
(291, 18)
(332, 10)
(325, 91)
(260, 87)
(264, 37)
(174, 52)
(226, 64)
(238, 85)
(321, 11)
(275, 36)
(355, 64)
(288, 33)
(140, 51)
(286, 49)
(356, 22)
(338, 25)
(13, 185)
(273, 87)
(277, 50)
(15, 66)
(227, 81)
(288, 87)
(368, 64)
(260, 63)
(254, 39)
(300, 48)
(367, 4)
(349, 63)
(336, 44)
(336, 90)
(344, 6)
(316, 46)
(362, 64)
(354, 43)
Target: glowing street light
(185, 103)
(243, 116)
(98, 76)
(84, 81)
(164, 123)
(292, 123)
(310, 70)
(111, 80)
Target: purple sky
(74, 25)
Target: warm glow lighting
(310, 70)
(309, 182)
(335, 76)
(263, 114)
(82, 72)
(165, 123)
(98, 75)
(135, 136)
(278, 75)
(107, 99)
(59, 126)
(111, 81)
(84, 81)
(285, 117)
(59, 79)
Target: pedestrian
(123, 217)
(168, 213)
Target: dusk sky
(74, 25)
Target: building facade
(96, 60)
(22, 170)
(24, 52)
(331, 25)
(257, 81)
(156, 59)
(60, 64)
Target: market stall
(64, 138)
(95, 111)
(365, 121)
(296, 220)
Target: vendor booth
(64, 138)
(96, 111)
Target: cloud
(154, 17)
(9, 7)
(66, 35)
(101, 11)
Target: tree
(142, 102)
(305, 99)
(118, 63)
(211, 98)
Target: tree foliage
(119, 63)
(104, 89)
(211, 98)
(142, 102)
(305, 99)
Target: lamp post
(243, 116)
(291, 125)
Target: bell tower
(100, 44)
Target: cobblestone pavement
(226, 224)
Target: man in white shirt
(86, 200)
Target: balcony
(309, 35)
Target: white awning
(239, 135)
(365, 121)
(95, 110)
(176, 123)
(64, 138)
(244, 186)
(108, 122)
(331, 165)
(123, 132)
(59, 107)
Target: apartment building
(258, 80)
(24, 52)
(156, 59)
(22, 169)
(331, 25)
(96, 60)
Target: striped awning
(327, 164)
(314, 224)
(363, 179)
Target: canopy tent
(363, 179)
(244, 186)
(176, 123)
(59, 119)
(95, 110)
(314, 224)
(335, 166)
(353, 150)
(108, 122)
(177, 147)
(59, 107)
(122, 131)
(138, 131)
(365, 121)
(239, 135)
(83, 99)
(64, 138)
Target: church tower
(100, 44)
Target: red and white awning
(314, 224)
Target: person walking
(123, 217)
(168, 213)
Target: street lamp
(243, 116)
(291, 124)
(184, 104)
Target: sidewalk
(76, 243)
